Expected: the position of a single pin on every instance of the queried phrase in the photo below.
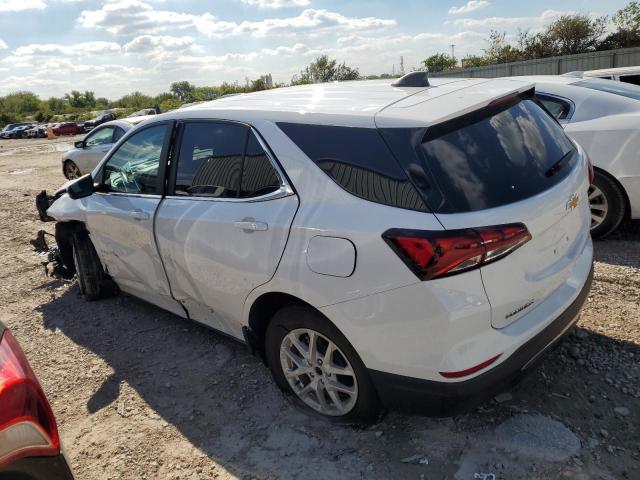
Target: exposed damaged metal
(52, 256)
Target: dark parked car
(37, 131)
(29, 441)
(66, 128)
(99, 120)
(8, 130)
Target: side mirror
(83, 187)
(80, 144)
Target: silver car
(88, 152)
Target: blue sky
(114, 47)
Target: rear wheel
(71, 170)
(312, 360)
(607, 203)
(92, 280)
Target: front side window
(133, 168)
(118, 133)
(102, 136)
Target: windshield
(492, 157)
(616, 88)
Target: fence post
(613, 60)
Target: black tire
(91, 277)
(367, 407)
(615, 201)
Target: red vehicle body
(66, 128)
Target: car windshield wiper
(556, 167)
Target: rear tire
(92, 280)
(608, 205)
(338, 378)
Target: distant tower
(401, 65)
(453, 55)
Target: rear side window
(223, 160)
(492, 157)
(617, 88)
(557, 107)
(358, 160)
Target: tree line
(567, 35)
(76, 105)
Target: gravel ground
(142, 394)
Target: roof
(355, 103)
(128, 122)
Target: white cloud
(525, 22)
(471, 6)
(150, 44)
(20, 5)
(54, 50)
(130, 17)
(3, 46)
(277, 3)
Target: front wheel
(92, 280)
(312, 360)
(607, 203)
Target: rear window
(491, 157)
(617, 88)
(359, 161)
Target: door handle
(138, 214)
(250, 225)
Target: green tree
(627, 21)
(183, 90)
(576, 33)
(324, 69)
(440, 62)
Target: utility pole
(453, 55)
(401, 65)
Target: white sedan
(604, 118)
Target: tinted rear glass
(617, 88)
(487, 159)
(358, 160)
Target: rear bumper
(38, 468)
(447, 398)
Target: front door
(120, 220)
(224, 224)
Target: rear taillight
(27, 425)
(435, 254)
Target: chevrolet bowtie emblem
(572, 202)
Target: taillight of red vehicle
(436, 254)
(27, 425)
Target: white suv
(378, 244)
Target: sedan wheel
(599, 206)
(71, 170)
(318, 372)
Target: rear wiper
(556, 167)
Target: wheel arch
(262, 311)
(625, 196)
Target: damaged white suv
(378, 244)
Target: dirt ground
(141, 394)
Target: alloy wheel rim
(599, 206)
(318, 372)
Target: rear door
(511, 163)
(223, 226)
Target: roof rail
(413, 79)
